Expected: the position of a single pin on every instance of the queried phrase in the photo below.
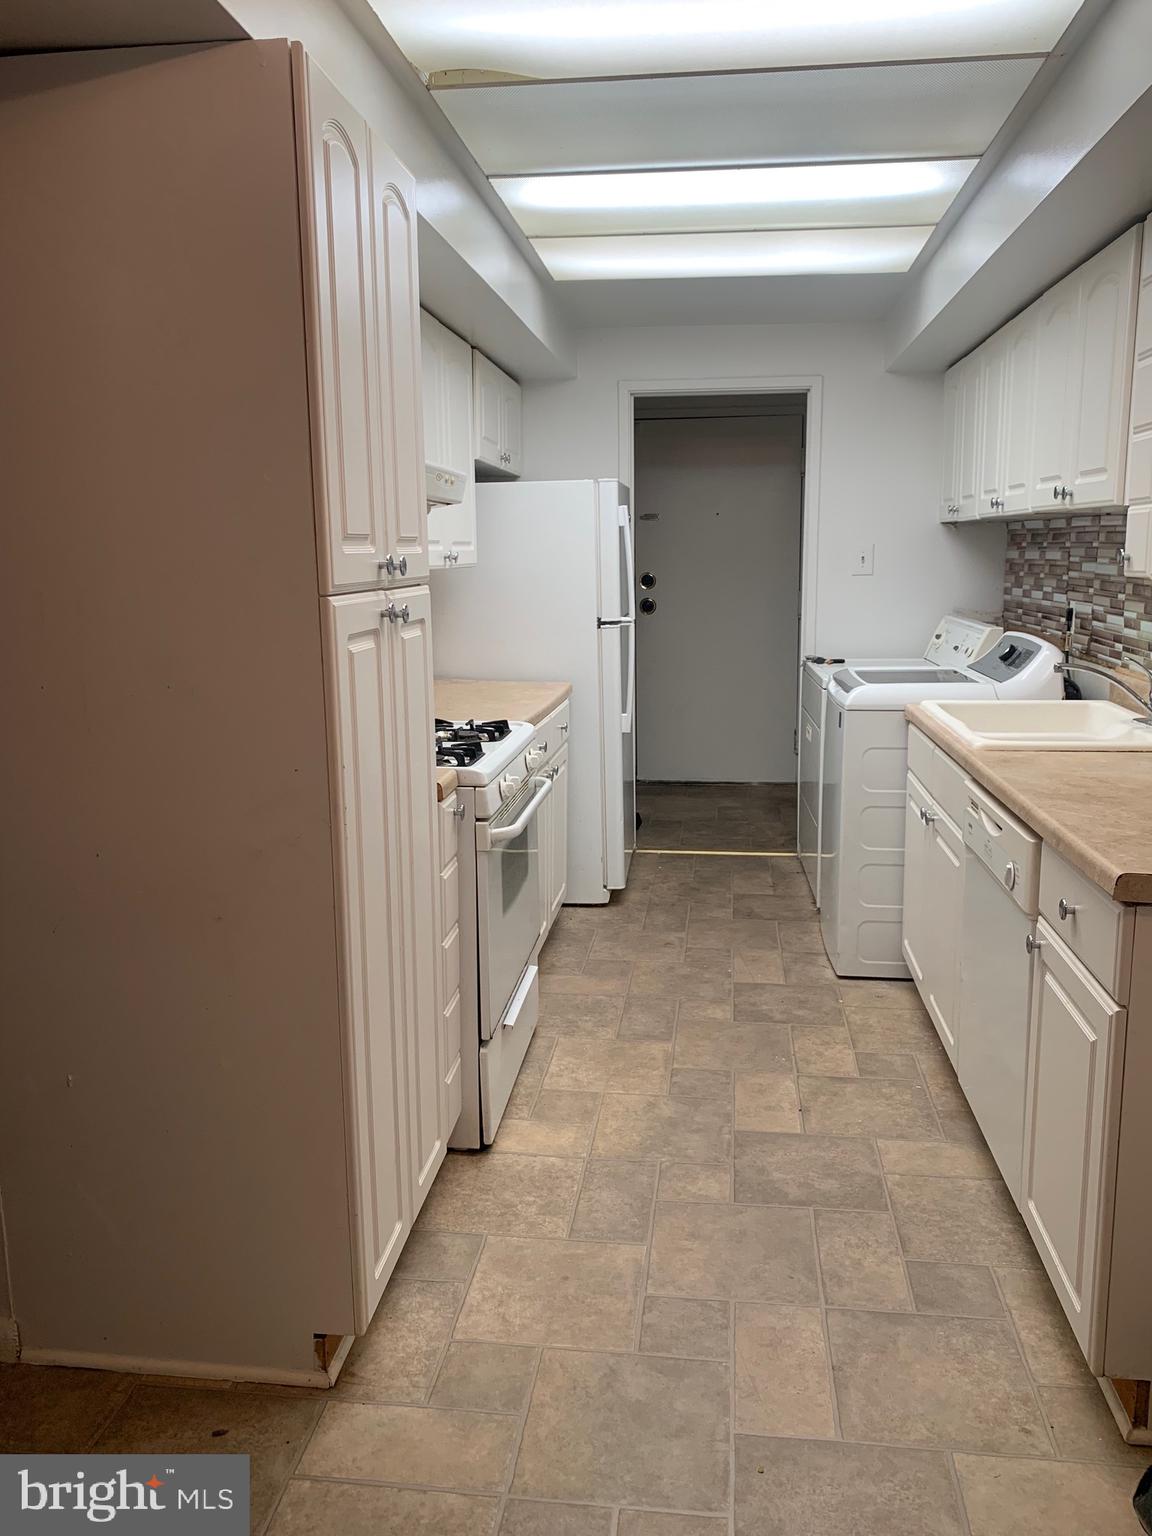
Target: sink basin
(1044, 725)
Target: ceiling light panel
(944, 110)
(746, 197)
(746, 253)
(566, 39)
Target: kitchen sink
(1039, 725)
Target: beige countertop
(1093, 808)
(446, 781)
(473, 698)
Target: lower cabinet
(1071, 1124)
(380, 665)
(933, 901)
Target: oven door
(508, 898)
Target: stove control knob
(509, 784)
(534, 757)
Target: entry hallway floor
(731, 817)
(738, 1262)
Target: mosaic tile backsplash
(1077, 559)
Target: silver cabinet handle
(1065, 909)
(1032, 943)
(393, 567)
(396, 615)
(564, 729)
(458, 812)
(926, 816)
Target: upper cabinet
(1037, 418)
(449, 474)
(361, 308)
(1138, 494)
(496, 404)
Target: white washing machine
(865, 765)
(955, 641)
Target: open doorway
(718, 484)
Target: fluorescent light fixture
(558, 39)
(742, 197)
(741, 253)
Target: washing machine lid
(822, 672)
(893, 688)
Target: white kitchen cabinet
(1019, 394)
(361, 308)
(1102, 372)
(933, 894)
(251, 865)
(968, 444)
(953, 411)
(1071, 1122)
(992, 395)
(447, 381)
(1138, 487)
(1054, 395)
(497, 416)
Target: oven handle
(495, 837)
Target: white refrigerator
(551, 599)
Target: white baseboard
(9, 1341)
(210, 1370)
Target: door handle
(1032, 943)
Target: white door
(918, 931)
(396, 308)
(412, 734)
(968, 451)
(367, 815)
(1108, 290)
(340, 317)
(944, 893)
(487, 407)
(1019, 383)
(718, 512)
(993, 357)
(1053, 404)
(1139, 475)
(953, 408)
(1071, 1118)
(511, 425)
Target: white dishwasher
(997, 932)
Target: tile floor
(738, 1262)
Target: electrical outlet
(863, 560)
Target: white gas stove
(506, 771)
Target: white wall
(879, 465)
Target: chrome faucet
(1094, 670)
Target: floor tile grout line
(266, 1523)
(1018, 1339)
(105, 1423)
(829, 1367)
(518, 1442)
(451, 1334)
(958, 1488)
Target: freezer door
(617, 706)
(617, 567)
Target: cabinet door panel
(990, 485)
(967, 458)
(1139, 472)
(1056, 336)
(945, 884)
(337, 229)
(1019, 383)
(413, 735)
(1107, 318)
(1070, 1125)
(368, 815)
(487, 405)
(511, 417)
(917, 930)
(396, 311)
(953, 407)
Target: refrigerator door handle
(629, 560)
(630, 704)
(615, 623)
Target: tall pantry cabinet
(224, 1043)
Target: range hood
(443, 487)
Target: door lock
(647, 580)
(647, 605)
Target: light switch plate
(864, 559)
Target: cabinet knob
(1065, 909)
(927, 816)
(1032, 943)
(396, 615)
(393, 567)
(458, 812)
